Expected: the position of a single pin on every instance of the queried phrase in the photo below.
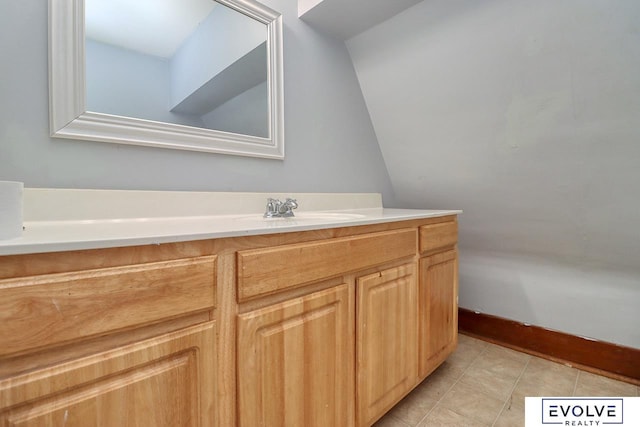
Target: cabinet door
(438, 310)
(165, 381)
(295, 362)
(386, 340)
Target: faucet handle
(273, 207)
(293, 203)
(286, 208)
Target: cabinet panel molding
(165, 381)
(438, 310)
(61, 307)
(265, 271)
(386, 337)
(295, 362)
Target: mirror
(197, 75)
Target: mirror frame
(68, 117)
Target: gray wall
(526, 115)
(244, 114)
(128, 83)
(330, 142)
(225, 36)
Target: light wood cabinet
(295, 362)
(386, 333)
(438, 315)
(63, 307)
(126, 345)
(437, 295)
(164, 381)
(296, 358)
(271, 270)
(327, 327)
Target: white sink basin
(306, 216)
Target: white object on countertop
(11, 209)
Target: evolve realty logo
(582, 411)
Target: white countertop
(45, 235)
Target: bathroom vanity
(325, 320)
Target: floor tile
(511, 416)
(595, 385)
(502, 364)
(503, 352)
(483, 384)
(490, 383)
(471, 342)
(450, 370)
(544, 371)
(441, 417)
(390, 421)
(544, 378)
(414, 407)
(436, 385)
(469, 402)
(464, 355)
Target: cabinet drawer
(39, 311)
(440, 235)
(265, 271)
(165, 381)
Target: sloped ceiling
(346, 18)
(526, 115)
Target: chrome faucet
(277, 209)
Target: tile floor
(483, 384)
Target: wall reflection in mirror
(190, 62)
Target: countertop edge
(50, 236)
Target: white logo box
(582, 411)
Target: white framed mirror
(216, 92)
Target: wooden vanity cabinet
(165, 381)
(124, 345)
(296, 358)
(407, 322)
(387, 335)
(326, 327)
(295, 362)
(437, 296)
